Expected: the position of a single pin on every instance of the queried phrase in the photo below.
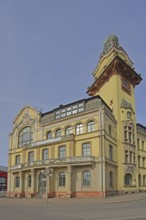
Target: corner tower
(115, 80)
(114, 75)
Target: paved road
(128, 207)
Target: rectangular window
(81, 107)
(139, 180)
(29, 181)
(17, 161)
(110, 130)
(142, 145)
(143, 161)
(130, 157)
(45, 154)
(138, 143)
(3, 183)
(126, 156)
(86, 178)
(17, 181)
(31, 156)
(139, 161)
(74, 109)
(133, 139)
(125, 136)
(134, 158)
(86, 150)
(63, 113)
(2, 179)
(68, 111)
(62, 152)
(110, 152)
(62, 179)
(130, 137)
(57, 114)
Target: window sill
(130, 186)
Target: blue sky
(49, 49)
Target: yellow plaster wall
(107, 59)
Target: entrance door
(42, 185)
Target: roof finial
(110, 42)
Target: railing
(55, 161)
(51, 140)
(16, 167)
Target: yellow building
(92, 147)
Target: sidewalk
(126, 198)
(57, 201)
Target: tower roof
(110, 42)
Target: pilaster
(32, 181)
(68, 182)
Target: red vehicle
(3, 178)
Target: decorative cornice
(117, 66)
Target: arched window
(79, 129)
(110, 179)
(17, 181)
(68, 130)
(129, 134)
(49, 135)
(128, 179)
(58, 133)
(25, 136)
(129, 114)
(86, 178)
(62, 179)
(91, 126)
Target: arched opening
(128, 179)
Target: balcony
(52, 140)
(56, 162)
(128, 146)
(48, 141)
(16, 167)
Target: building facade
(3, 178)
(86, 148)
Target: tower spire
(110, 42)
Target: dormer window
(129, 115)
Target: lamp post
(48, 173)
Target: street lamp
(48, 173)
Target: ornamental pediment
(28, 116)
(25, 113)
(129, 168)
(27, 120)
